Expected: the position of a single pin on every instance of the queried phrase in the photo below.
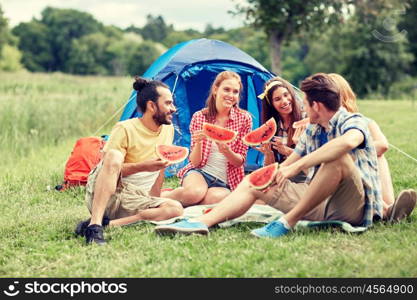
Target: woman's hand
(265, 149)
(224, 148)
(198, 136)
(278, 145)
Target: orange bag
(86, 154)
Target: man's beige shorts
(127, 201)
(346, 204)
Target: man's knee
(173, 207)
(113, 161)
(344, 165)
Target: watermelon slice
(218, 134)
(263, 177)
(171, 153)
(300, 123)
(261, 135)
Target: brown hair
(146, 91)
(268, 110)
(347, 96)
(321, 88)
(211, 111)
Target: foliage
(284, 20)
(65, 25)
(142, 57)
(407, 25)
(359, 51)
(33, 42)
(3, 29)
(10, 58)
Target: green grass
(36, 227)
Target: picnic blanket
(262, 214)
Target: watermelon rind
(210, 126)
(273, 172)
(164, 157)
(300, 123)
(264, 140)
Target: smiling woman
(215, 168)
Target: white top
(144, 180)
(216, 164)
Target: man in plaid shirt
(342, 184)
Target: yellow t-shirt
(136, 142)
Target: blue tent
(189, 68)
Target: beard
(161, 118)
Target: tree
(65, 25)
(408, 26)
(283, 20)
(3, 29)
(35, 46)
(370, 62)
(155, 29)
(10, 58)
(142, 57)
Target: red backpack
(86, 154)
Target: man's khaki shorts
(346, 204)
(127, 201)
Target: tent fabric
(189, 68)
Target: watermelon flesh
(171, 153)
(261, 135)
(263, 177)
(218, 134)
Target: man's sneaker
(82, 226)
(402, 207)
(183, 227)
(94, 233)
(272, 230)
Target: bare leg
(193, 190)
(215, 195)
(234, 205)
(166, 210)
(387, 189)
(106, 184)
(324, 184)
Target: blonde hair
(211, 111)
(347, 96)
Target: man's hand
(154, 165)
(298, 132)
(285, 173)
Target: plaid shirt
(239, 121)
(364, 156)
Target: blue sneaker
(183, 227)
(272, 230)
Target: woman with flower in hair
(214, 168)
(279, 101)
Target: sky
(183, 14)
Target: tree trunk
(275, 42)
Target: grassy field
(41, 116)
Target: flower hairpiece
(268, 87)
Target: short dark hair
(321, 88)
(146, 91)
